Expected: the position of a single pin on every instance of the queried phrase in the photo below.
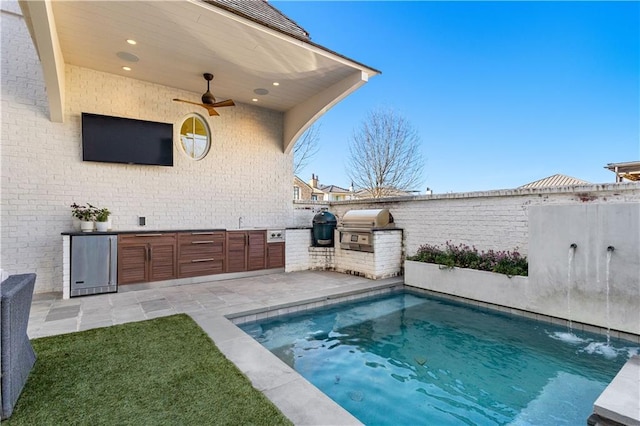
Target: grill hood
(367, 219)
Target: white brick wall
(321, 258)
(297, 246)
(496, 220)
(385, 261)
(246, 174)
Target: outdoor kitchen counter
(149, 231)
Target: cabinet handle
(202, 260)
(202, 233)
(202, 242)
(149, 235)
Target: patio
(210, 304)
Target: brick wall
(385, 261)
(496, 220)
(245, 174)
(297, 246)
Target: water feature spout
(570, 266)
(610, 250)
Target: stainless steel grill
(357, 226)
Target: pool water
(408, 359)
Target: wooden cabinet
(275, 255)
(162, 256)
(201, 253)
(146, 257)
(246, 250)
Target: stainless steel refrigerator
(94, 264)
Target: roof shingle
(263, 13)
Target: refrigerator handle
(110, 260)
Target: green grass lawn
(162, 371)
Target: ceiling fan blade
(188, 102)
(206, 106)
(210, 109)
(226, 103)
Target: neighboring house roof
(300, 182)
(333, 189)
(629, 170)
(263, 13)
(555, 180)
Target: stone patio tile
(95, 316)
(95, 324)
(53, 328)
(155, 305)
(122, 299)
(160, 313)
(146, 295)
(127, 313)
(187, 306)
(62, 313)
(235, 299)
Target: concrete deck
(210, 304)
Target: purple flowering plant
(503, 262)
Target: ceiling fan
(208, 101)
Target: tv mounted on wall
(125, 140)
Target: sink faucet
(240, 222)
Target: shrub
(503, 262)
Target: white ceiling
(177, 41)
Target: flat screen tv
(125, 140)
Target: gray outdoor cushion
(17, 355)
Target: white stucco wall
(246, 174)
(589, 283)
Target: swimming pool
(411, 359)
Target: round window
(195, 137)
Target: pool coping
(297, 398)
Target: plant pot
(102, 226)
(86, 226)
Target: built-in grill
(357, 226)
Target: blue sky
(501, 93)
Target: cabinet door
(257, 250)
(162, 259)
(275, 255)
(132, 262)
(146, 257)
(236, 251)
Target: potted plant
(86, 215)
(102, 219)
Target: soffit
(177, 41)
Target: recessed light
(261, 91)
(275, 83)
(131, 41)
(254, 100)
(126, 68)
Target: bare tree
(385, 155)
(305, 148)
